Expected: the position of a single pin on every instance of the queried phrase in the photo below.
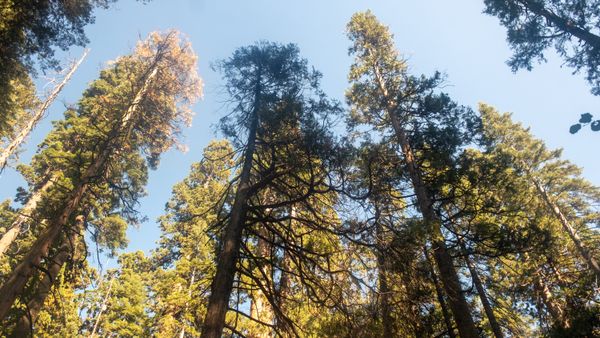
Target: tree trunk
(554, 309)
(186, 307)
(14, 284)
(440, 297)
(384, 289)
(564, 24)
(583, 250)
(487, 306)
(25, 215)
(37, 116)
(218, 301)
(67, 248)
(449, 276)
(260, 308)
(102, 308)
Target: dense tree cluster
(423, 218)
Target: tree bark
(440, 296)
(384, 289)
(25, 214)
(554, 309)
(16, 281)
(583, 250)
(37, 116)
(218, 301)
(458, 304)
(487, 306)
(67, 248)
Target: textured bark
(440, 297)
(37, 116)
(222, 284)
(487, 306)
(458, 304)
(553, 308)
(67, 249)
(25, 214)
(16, 281)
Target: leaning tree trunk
(440, 296)
(25, 214)
(449, 276)
(553, 308)
(67, 248)
(37, 116)
(16, 281)
(583, 250)
(487, 306)
(222, 284)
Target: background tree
(571, 27)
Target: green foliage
(570, 27)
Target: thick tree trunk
(25, 215)
(564, 24)
(218, 301)
(583, 250)
(67, 248)
(15, 283)
(440, 296)
(449, 276)
(37, 116)
(487, 306)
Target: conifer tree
(427, 126)
(276, 107)
(134, 110)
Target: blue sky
(450, 36)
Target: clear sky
(450, 36)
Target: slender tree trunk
(67, 248)
(284, 281)
(218, 301)
(102, 308)
(449, 276)
(565, 25)
(554, 309)
(186, 307)
(15, 283)
(260, 308)
(384, 289)
(25, 214)
(440, 296)
(37, 116)
(487, 306)
(583, 250)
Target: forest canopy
(391, 208)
